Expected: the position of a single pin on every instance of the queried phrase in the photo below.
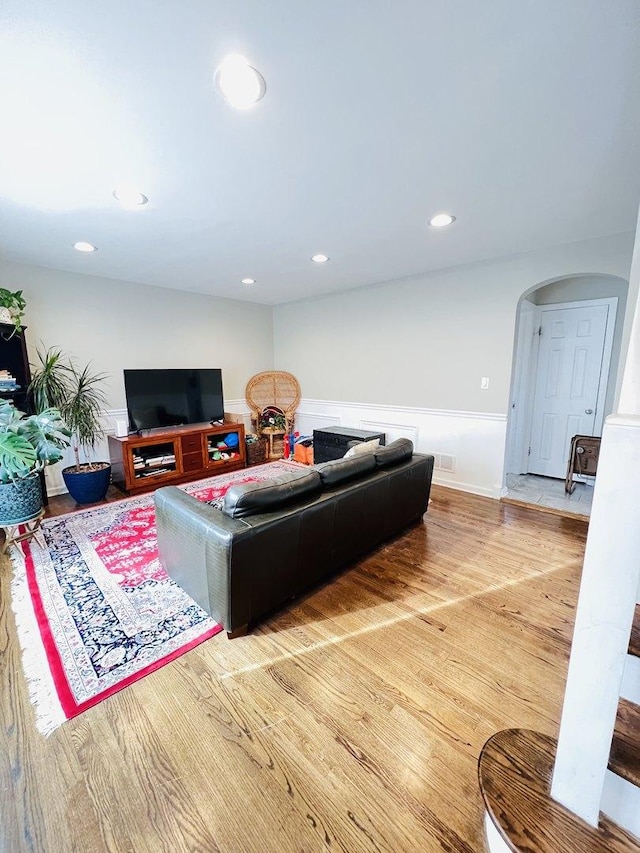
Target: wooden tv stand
(161, 457)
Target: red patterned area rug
(95, 610)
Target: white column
(630, 386)
(606, 604)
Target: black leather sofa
(273, 539)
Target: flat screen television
(164, 398)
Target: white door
(571, 361)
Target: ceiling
(522, 119)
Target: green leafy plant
(272, 418)
(82, 410)
(27, 444)
(51, 379)
(76, 392)
(15, 303)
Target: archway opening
(565, 379)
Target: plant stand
(271, 432)
(32, 529)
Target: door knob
(588, 411)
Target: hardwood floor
(352, 720)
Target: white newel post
(608, 593)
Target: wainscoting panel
(473, 440)
(392, 430)
(306, 422)
(469, 445)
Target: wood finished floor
(351, 721)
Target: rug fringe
(42, 691)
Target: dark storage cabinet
(333, 442)
(14, 359)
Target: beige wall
(426, 341)
(118, 325)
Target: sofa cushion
(268, 495)
(358, 447)
(341, 470)
(393, 453)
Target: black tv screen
(164, 398)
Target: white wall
(118, 325)
(422, 344)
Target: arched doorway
(594, 302)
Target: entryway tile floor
(548, 494)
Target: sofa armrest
(195, 544)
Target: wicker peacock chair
(275, 388)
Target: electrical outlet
(484, 383)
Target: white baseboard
(471, 488)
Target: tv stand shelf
(161, 457)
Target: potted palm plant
(27, 445)
(76, 392)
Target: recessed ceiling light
(81, 246)
(248, 281)
(320, 259)
(129, 197)
(440, 220)
(241, 85)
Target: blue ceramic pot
(87, 486)
(20, 500)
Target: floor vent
(447, 462)
(444, 462)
